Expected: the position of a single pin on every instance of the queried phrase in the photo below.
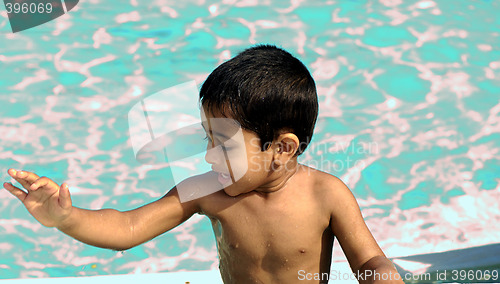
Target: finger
(17, 192)
(64, 196)
(43, 181)
(11, 172)
(24, 178)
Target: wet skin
(269, 237)
(280, 217)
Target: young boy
(273, 224)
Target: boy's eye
(226, 148)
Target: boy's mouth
(224, 178)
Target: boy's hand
(48, 202)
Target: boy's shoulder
(326, 187)
(320, 180)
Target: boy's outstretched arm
(51, 205)
(365, 257)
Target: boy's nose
(213, 155)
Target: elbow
(123, 238)
(121, 249)
(123, 244)
(379, 269)
(127, 238)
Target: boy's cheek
(254, 143)
(255, 164)
(238, 162)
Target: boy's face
(235, 155)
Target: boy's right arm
(51, 205)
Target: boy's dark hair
(268, 91)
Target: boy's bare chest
(273, 235)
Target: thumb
(64, 196)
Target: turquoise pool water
(409, 117)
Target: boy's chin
(230, 190)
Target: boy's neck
(279, 178)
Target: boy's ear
(287, 144)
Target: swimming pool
(409, 117)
